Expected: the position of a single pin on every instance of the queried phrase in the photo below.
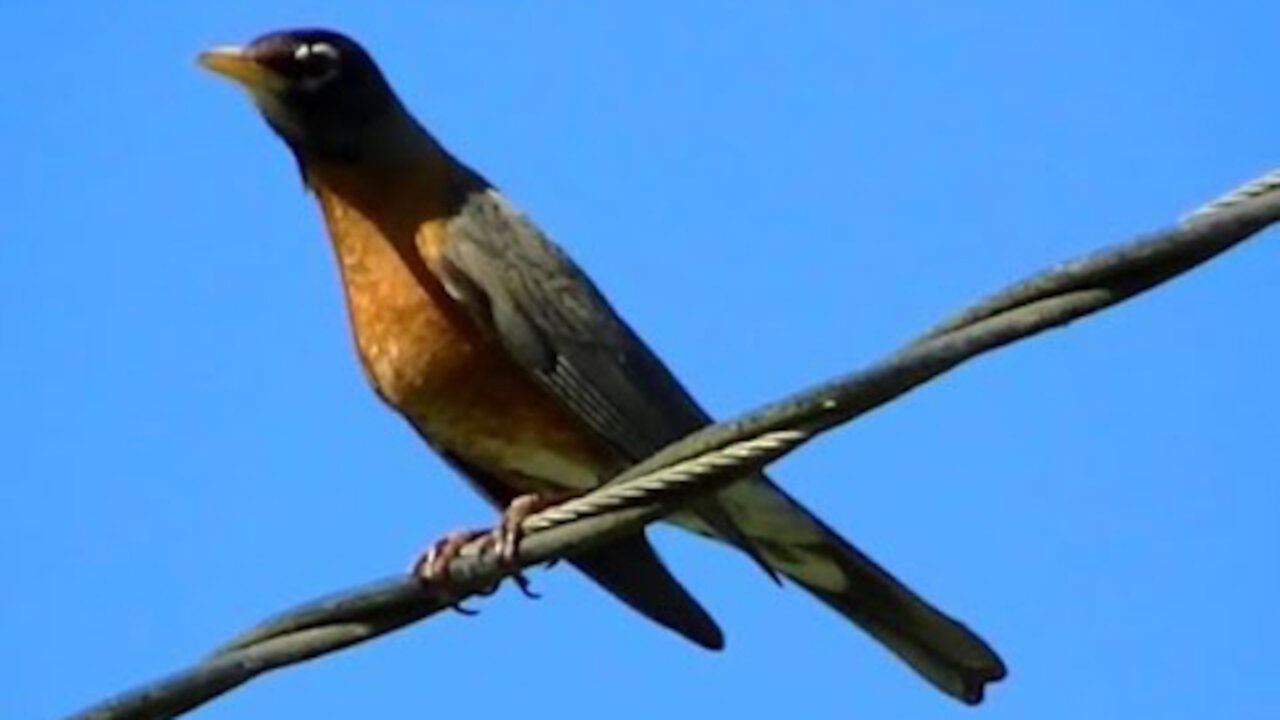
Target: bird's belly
(470, 399)
(495, 422)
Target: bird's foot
(433, 565)
(503, 541)
(509, 533)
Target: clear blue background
(773, 193)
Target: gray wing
(548, 315)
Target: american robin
(509, 362)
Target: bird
(510, 363)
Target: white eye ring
(321, 48)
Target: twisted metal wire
(1257, 187)
(672, 480)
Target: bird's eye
(316, 62)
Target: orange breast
(422, 353)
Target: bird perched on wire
(509, 362)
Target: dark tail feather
(802, 547)
(633, 573)
(941, 649)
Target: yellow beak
(235, 62)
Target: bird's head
(318, 89)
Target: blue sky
(773, 193)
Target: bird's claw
(509, 533)
(433, 565)
(504, 540)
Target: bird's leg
(433, 565)
(504, 541)
(509, 532)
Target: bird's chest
(414, 348)
(426, 358)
